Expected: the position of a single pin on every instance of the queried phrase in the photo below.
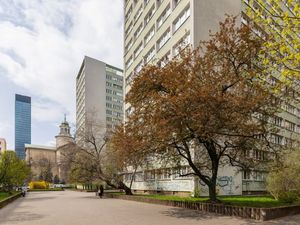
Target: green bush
(197, 193)
(283, 181)
(288, 197)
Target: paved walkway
(76, 208)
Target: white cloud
(43, 43)
(4, 127)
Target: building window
(129, 29)
(138, 13)
(138, 31)
(246, 175)
(175, 3)
(128, 79)
(118, 86)
(150, 175)
(276, 139)
(129, 62)
(183, 42)
(164, 60)
(138, 50)
(165, 14)
(181, 19)
(108, 91)
(290, 126)
(138, 177)
(108, 84)
(139, 67)
(128, 13)
(129, 45)
(163, 39)
(158, 3)
(164, 174)
(182, 172)
(149, 55)
(278, 121)
(108, 105)
(149, 35)
(146, 3)
(290, 108)
(149, 15)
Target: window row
(160, 174)
(254, 175)
(113, 106)
(113, 99)
(180, 45)
(114, 113)
(117, 79)
(109, 91)
(177, 23)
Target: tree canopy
(207, 107)
(13, 171)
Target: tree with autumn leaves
(91, 159)
(206, 107)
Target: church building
(48, 159)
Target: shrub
(283, 181)
(39, 185)
(197, 192)
(288, 197)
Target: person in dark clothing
(101, 191)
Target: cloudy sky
(42, 44)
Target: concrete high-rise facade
(154, 30)
(22, 124)
(99, 93)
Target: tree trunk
(125, 188)
(212, 193)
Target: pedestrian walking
(101, 191)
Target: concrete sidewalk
(80, 208)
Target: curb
(262, 214)
(9, 200)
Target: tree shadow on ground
(181, 213)
(39, 198)
(14, 217)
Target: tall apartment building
(22, 124)
(99, 91)
(156, 29)
(153, 32)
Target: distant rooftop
(23, 98)
(40, 147)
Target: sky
(42, 45)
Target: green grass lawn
(251, 201)
(4, 195)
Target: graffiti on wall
(225, 185)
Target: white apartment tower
(155, 29)
(153, 32)
(99, 91)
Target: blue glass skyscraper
(22, 124)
